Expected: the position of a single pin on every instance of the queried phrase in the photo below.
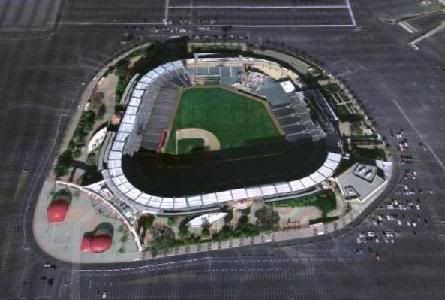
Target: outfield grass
(233, 118)
(186, 146)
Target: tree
(101, 111)
(171, 221)
(267, 217)
(163, 238)
(228, 218)
(64, 163)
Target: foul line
(419, 134)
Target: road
(42, 77)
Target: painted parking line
(258, 7)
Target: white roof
(135, 101)
(283, 187)
(307, 182)
(115, 172)
(206, 218)
(170, 66)
(334, 156)
(155, 201)
(159, 70)
(296, 185)
(288, 86)
(268, 190)
(331, 164)
(254, 192)
(239, 194)
(121, 136)
(131, 110)
(167, 203)
(317, 177)
(325, 171)
(143, 198)
(178, 64)
(180, 202)
(125, 187)
(115, 155)
(119, 180)
(146, 79)
(116, 163)
(224, 196)
(130, 119)
(128, 128)
(133, 193)
(194, 200)
(118, 146)
(137, 93)
(141, 86)
(209, 198)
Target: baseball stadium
(202, 131)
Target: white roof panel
(178, 64)
(307, 182)
(283, 187)
(128, 128)
(119, 180)
(209, 198)
(118, 146)
(180, 203)
(130, 119)
(224, 196)
(115, 155)
(146, 79)
(114, 163)
(131, 110)
(133, 193)
(137, 93)
(239, 194)
(143, 198)
(124, 188)
(334, 156)
(268, 190)
(135, 101)
(141, 86)
(159, 70)
(167, 203)
(155, 201)
(254, 192)
(115, 172)
(194, 200)
(317, 177)
(331, 164)
(170, 66)
(326, 172)
(296, 185)
(120, 137)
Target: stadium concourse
(140, 102)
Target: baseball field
(214, 118)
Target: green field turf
(186, 146)
(233, 118)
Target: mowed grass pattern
(233, 118)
